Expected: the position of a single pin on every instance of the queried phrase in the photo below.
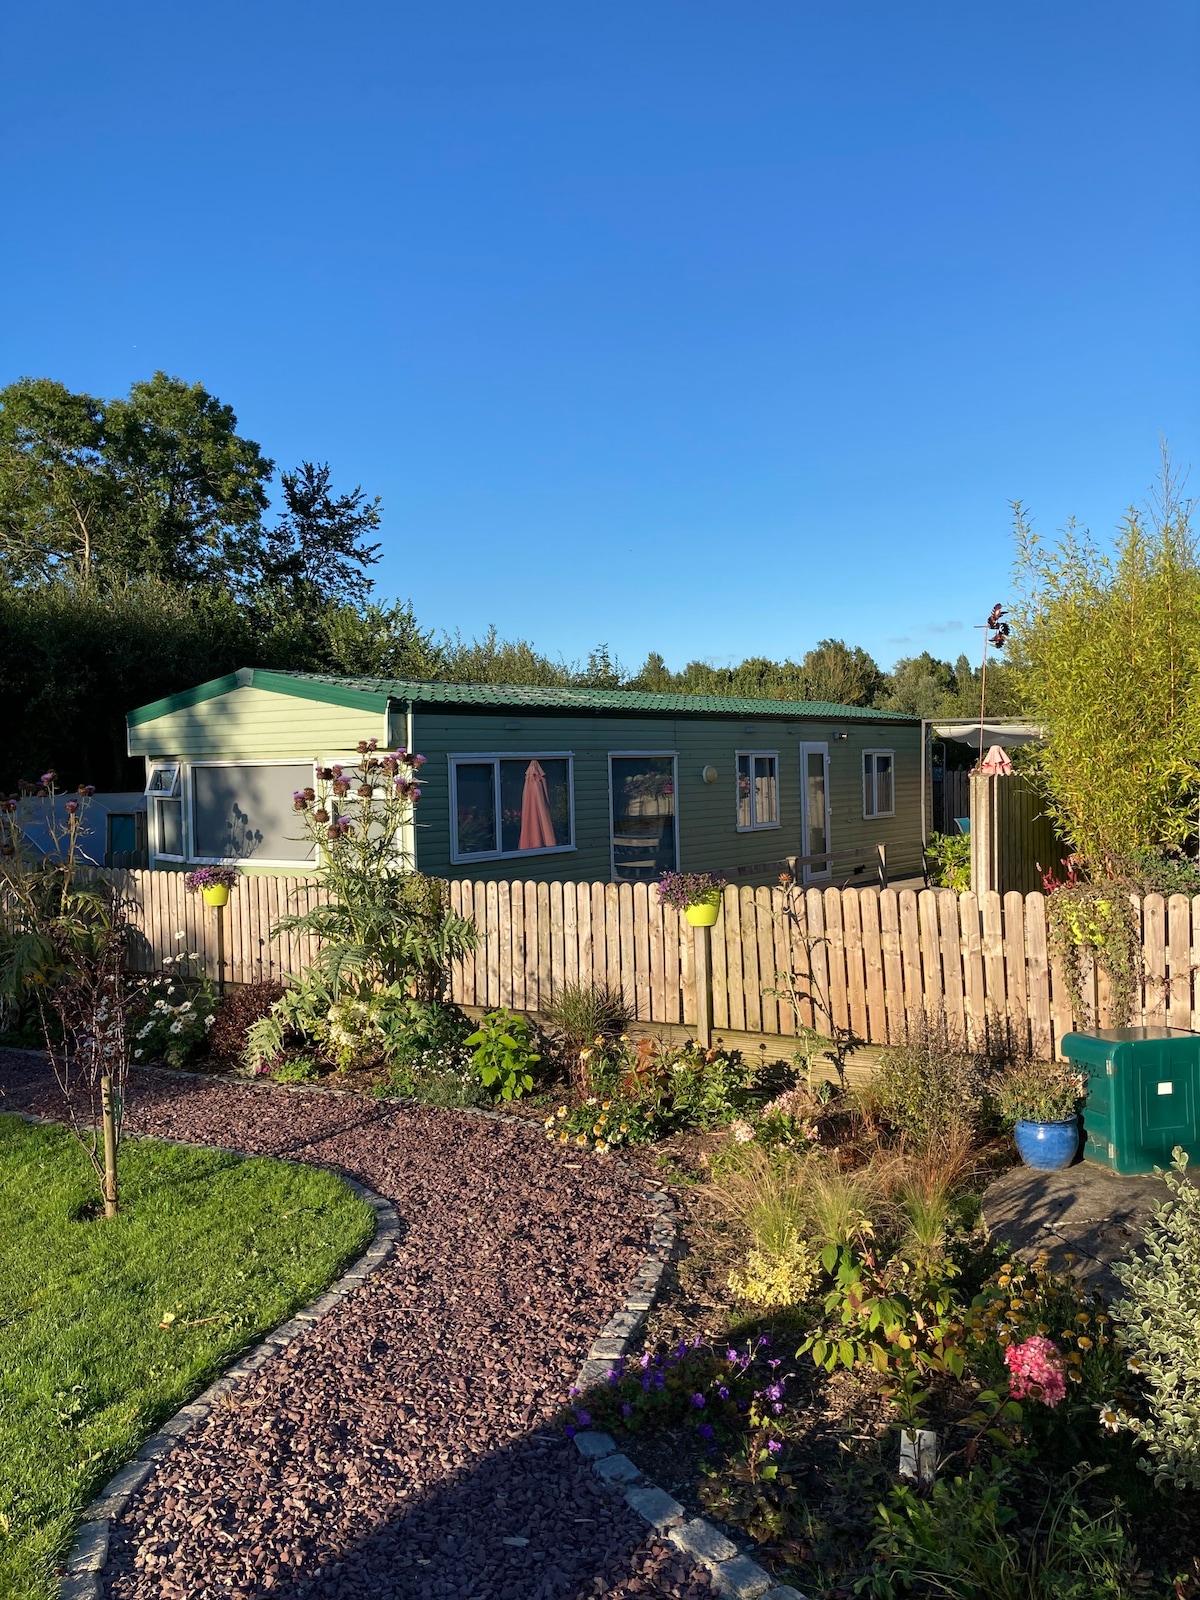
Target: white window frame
(875, 812)
(296, 864)
(634, 755)
(754, 825)
(172, 794)
(496, 757)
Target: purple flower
(774, 1446)
(645, 1361)
(774, 1391)
(705, 1430)
(583, 1418)
(774, 1361)
(646, 1385)
(697, 1400)
(731, 1355)
(626, 1409)
(762, 1340)
(723, 1392)
(614, 1376)
(569, 1431)
(573, 1390)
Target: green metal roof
(366, 693)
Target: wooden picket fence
(880, 958)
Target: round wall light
(709, 774)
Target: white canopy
(1002, 731)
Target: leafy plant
(1158, 1323)
(962, 1543)
(1097, 921)
(1039, 1091)
(504, 1056)
(785, 1277)
(379, 923)
(952, 853)
(296, 1069)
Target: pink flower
(1037, 1371)
(741, 1131)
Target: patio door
(814, 810)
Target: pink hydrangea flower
(1037, 1371)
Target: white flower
(137, 1055)
(186, 1006)
(176, 1026)
(142, 1032)
(181, 934)
(208, 1021)
(161, 1005)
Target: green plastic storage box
(1143, 1095)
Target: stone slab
(700, 1539)
(593, 1445)
(741, 1578)
(617, 1469)
(655, 1505)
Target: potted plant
(214, 883)
(1041, 1101)
(696, 894)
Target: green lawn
(221, 1248)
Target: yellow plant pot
(217, 894)
(702, 916)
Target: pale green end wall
(248, 723)
(709, 840)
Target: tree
(654, 676)
(842, 674)
(1110, 648)
(922, 686)
(315, 554)
(159, 483)
(54, 492)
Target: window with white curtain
(879, 783)
(757, 789)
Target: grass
(218, 1248)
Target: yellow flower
(1084, 1342)
(1075, 1357)
(582, 1139)
(1083, 1317)
(604, 1104)
(601, 1147)
(585, 1055)
(624, 1127)
(597, 1127)
(563, 1137)
(1043, 1328)
(562, 1111)
(624, 1038)
(599, 1039)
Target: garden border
(737, 1577)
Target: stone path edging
(89, 1553)
(735, 1574)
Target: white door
(814, 807)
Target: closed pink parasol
(996, 763)
(537, 825)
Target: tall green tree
(841, 673)
(1109, 641)
(316, 553)
(157, 483)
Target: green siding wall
(252, 722)
(708, 837)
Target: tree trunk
(108, 1113)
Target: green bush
(1038, 1091)
(961, 1544)
(1158, 1324)
(169, 1020)
(930, 1087)
(299, 1069)
(952, 853)
(503, 1054)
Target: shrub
(504, 1056)
(692, 1384)
(930, 1087)
(1158, 1324)
(237, 1012)
(420, 1035)
(952, 853)
(781, 1279)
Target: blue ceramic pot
(1047, 1145)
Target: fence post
(702, 947)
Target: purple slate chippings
(403, 1447)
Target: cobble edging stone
(83, 1577)
(734, 1573)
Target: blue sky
(705, 328)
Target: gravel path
(404, 1446)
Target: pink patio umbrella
(537, 825)
(996, 763)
